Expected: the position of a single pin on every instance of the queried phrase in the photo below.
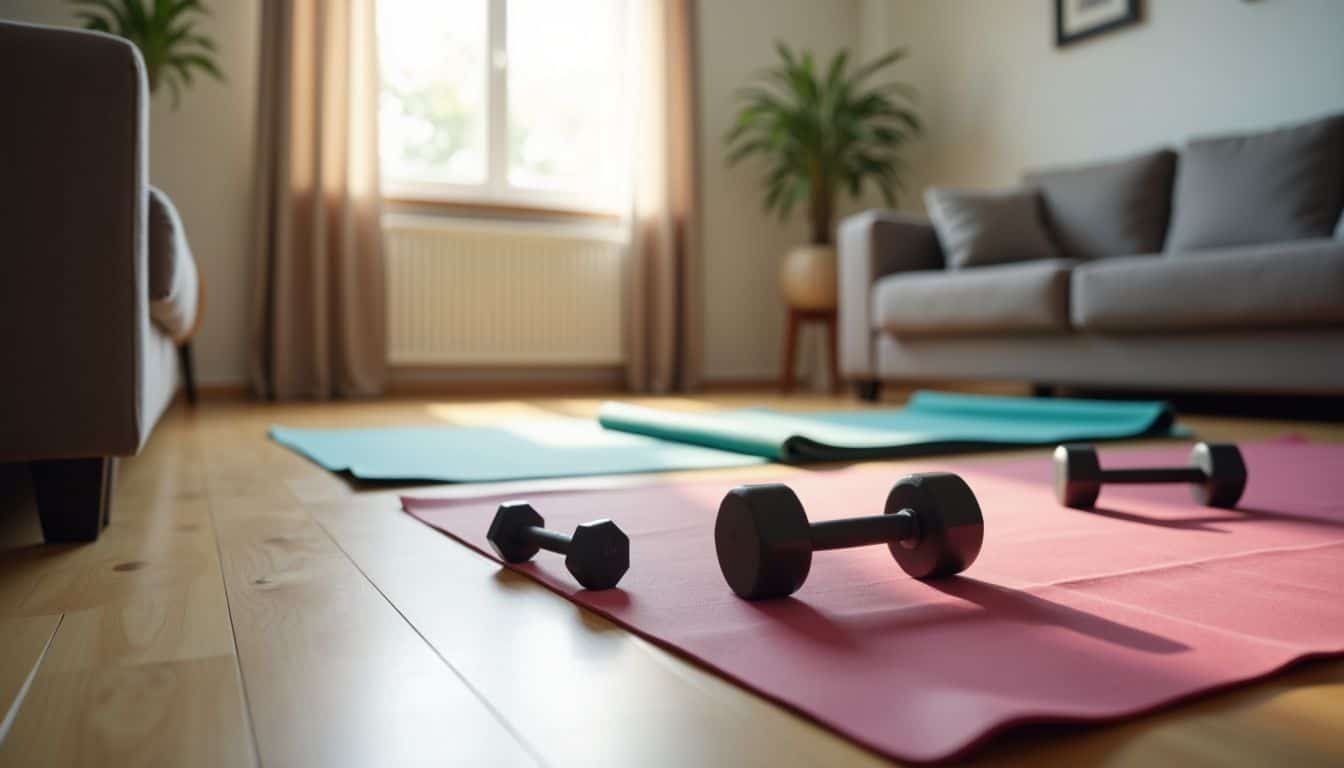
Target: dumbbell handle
(547, 539)
(862, 531)
(1167, 475)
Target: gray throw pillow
(980, 228)
(1284, 184)
(1112, 208)
(166, 238)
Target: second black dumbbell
(1216, 474)
(931, 523)
(598, 554)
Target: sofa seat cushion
(1005, 298)
(1296, 284)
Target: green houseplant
(820, 133)
(164, 31)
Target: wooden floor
(246, 607)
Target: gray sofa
(1218, 269)
(96, 279)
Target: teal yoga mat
(931, 422)
(524, 450)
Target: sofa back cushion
(1278, 185)
(1112, 208)
(981, 228)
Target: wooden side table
(796, 318)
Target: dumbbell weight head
(599, 554)
(506, 532)
(761, 536)
(948, 521)
(1077, 476)
(1226, 472)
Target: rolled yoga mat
(1067, 616)
(931, 422)
(637, 439)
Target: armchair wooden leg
(74, 496)
(188, 372)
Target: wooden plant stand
(796, 318)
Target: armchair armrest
(73, 267)
(871, 245)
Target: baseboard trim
(421, 381)
(740, 385)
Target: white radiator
(486, 293)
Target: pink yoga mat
(1067, 615)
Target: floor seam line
(490, 707)
(13, 712)
(233, 637)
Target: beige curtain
(662, 301)
(318, 295)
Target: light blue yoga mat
(931, 422)
(639, 439)
(524, 450)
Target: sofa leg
(74, 496)
(868, 390)
(1042, 390)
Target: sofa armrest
(874, 244)
(74, 291)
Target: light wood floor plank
(149, 590)
(334, 675)
(174, 713)
(581, 689)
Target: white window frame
(496, 190)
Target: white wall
(742, 246)
(996, 94)
(202, 155)
(999, 97)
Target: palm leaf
(821, 132)
(165, 33)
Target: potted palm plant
(821, 133)
(163, 30)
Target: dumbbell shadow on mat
(931, 523)
(598, 554)
(1216, 474)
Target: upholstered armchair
(96, 280)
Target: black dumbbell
(1216, 475)
(931, 524)
(598, 553)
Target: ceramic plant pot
(808, 276)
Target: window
(505, 101)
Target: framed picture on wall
(1079, 19)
